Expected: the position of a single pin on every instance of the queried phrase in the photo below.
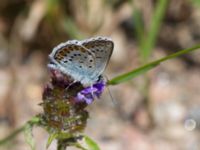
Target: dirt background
(165, 116)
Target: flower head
(64, 102)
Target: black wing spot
(90, 66)
(70, 59)
(65, 61)
(80, 66)
(91, 60)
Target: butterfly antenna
(111, 96)
(92, 92)
(70, 85)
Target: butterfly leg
(93, 90)
(111, 96)
(66, 89)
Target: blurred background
(157, 111)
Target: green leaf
(29, 136)
(87, 144)
(139, 25)
(64, 135)
(71, 28)
(28, 128)
(50, 139)
(196, 2)
(58, 136)
(35, 120)
(141, 70)
(132, 74)
(149, 41)
(92, 145)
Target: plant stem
(33, 121)
(61, 145)
(140, 70)
(12, 135)
(149, 41)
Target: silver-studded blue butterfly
(84, 61)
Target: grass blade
(149, 42)
(141, 70)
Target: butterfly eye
(51, 63)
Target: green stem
(149, 41)
(61, 145)
(33, 121)
(138, 71)
(12, 135)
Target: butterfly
(84, 60)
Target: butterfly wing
(73, 59)
(102, 47)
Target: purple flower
(89, 93)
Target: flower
(64, 103)
(61, 111)
(88, 94)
